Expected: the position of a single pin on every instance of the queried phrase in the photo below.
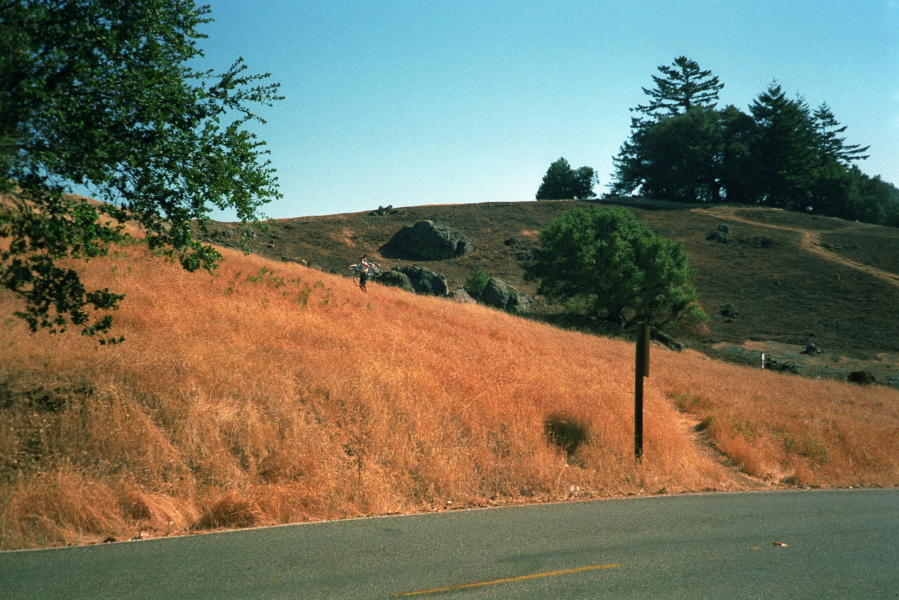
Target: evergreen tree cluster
(781, 153)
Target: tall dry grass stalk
(271, 393)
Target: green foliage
(476, 283)
(266, 276)
(807, 448)
(670, 159)
(613, 263)
(561, 182)
(98, 93)
(676, 150)
(831, 147)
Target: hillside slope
(792, 279)
(272, 393)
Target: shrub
(476, 283)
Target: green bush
(476, 283)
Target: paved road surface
(838, 544)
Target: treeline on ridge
(780, 154)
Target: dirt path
(690, 428)
(811, 241)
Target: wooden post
(641, 370)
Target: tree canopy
(611, 262)
(103, 94)
(561, 182)
(677, 158)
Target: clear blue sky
(411, 102)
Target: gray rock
(396, 278)
(862, 377)
(388, 210)
(500, 294)
(423, 281)
(427, 240)
(462, 296)
(728, 311)
(772, 364)
(716, 235)
(811, 348)
(666, 340)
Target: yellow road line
(508, 580)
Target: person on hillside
(363, 268)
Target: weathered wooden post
(641, 371)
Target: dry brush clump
(272, 393)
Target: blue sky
(411, 102)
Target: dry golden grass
(793, 430)
(271, 393)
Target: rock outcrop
(500, 294)
(414, 278)
(396, 278)
(427, 240)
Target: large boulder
(427, 240)
(423, 281)
(500, 294)
(396, 278)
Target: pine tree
(784, 149)
(830, 145)
(682, 86)
(611, 262)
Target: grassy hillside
(792, 278)
(269, 392)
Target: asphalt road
(784, 545)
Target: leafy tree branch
(101, 94)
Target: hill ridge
(771, 273)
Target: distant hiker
(363, 272)
(363, 268)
